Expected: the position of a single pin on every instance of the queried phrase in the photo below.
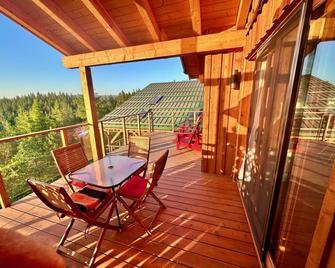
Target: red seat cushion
(79, 184)
(133, 188)
(88, 199)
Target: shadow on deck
(204, 224)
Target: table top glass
(108, 172)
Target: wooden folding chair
(139, 147)
(138, 189)
(69, 159)
(78, 205)
(189, 137)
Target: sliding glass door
(311, 153)
(270, 100)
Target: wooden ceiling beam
(105, 19)
(148, 17)
(211, 43)
(57, 14)
(242, 14)
(13, 12)
(196, 16)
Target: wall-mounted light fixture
(235, 80)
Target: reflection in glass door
(268, 116)
(311, 152)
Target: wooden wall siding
(206, 110)
(263, 24)
(221, 112)
(323, 29)
(243, 113)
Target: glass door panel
(268, 116)
(311, 152)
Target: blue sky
(30, 65)
(323, 66)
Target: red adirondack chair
(190, 137)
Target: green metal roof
(178, 98)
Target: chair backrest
(139, 147)
(159, 166)
(54, 197)
(69, 158)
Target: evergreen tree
(37, 118)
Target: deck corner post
(4, 198)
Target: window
(156, 100)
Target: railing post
(124, 130)
(149, 122)
(103, 144)
(325, 132)
(194, 117)
(65, 137)
(138, 125)
(109, 138)
(172, 122)
(4, 198)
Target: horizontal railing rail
(142, 122)
(4, 196)
(42, 132)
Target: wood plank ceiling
(80, 26)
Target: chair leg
(132, 205)
(118, 218)
(66, 233)
(158, 200)
(131, 212)
(102, 233)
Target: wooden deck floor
(203, 226)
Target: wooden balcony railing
(4, 197)
(130, 124)
(140, 123)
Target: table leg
(117, 213)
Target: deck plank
(204, 224)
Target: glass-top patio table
(109, 172)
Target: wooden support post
(91, 113)
(139, 125)
(172, 122)
(102, 137)
(65, 137)
(124, 131)
(4, 198)
(109, 138)
(194, 117)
